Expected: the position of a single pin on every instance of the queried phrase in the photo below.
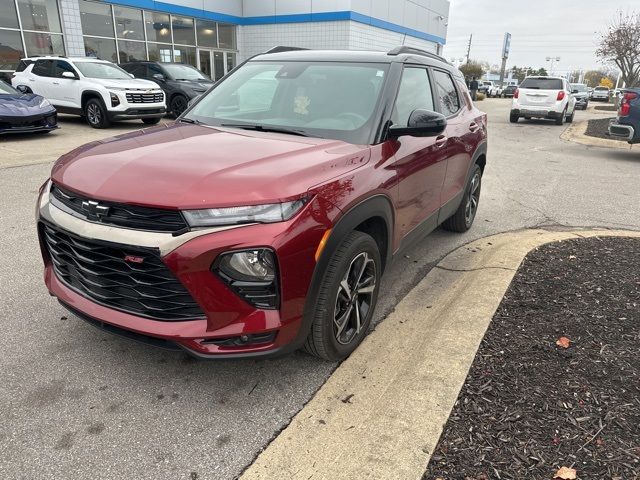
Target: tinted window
(22, 66)
(138, 70)
(446, 93)
(60, 67)
(155, 69)
(43, 68)
(10, 49)
(40, 15)
(542, 83)
(322, 99)
(8, 16)
(96, 19)
(414, 92)
(129, 23)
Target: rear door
(41, 78)
(540, 92)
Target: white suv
(543, 97)
(96, 89)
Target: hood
(21, 104)
(190, 166)
(132, 83)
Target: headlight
(44, 103)
(270, 213)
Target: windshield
(319, 99)
(580, 87)
(184, 72)
(6, 89)
(542, 83)
(107, 71)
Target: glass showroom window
(42, 31)
(159, 52)
(183, 30)
(8, 15)
(207, 34)
(11, 46)
(130, 26)
(227, 36)
(98, 19)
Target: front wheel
(178, 105)
(347, 298)
(96, 114)
(462, 220)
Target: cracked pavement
(78, 403)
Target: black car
(25, 112)
(180, 82)
(509, 91)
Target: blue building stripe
(276, 19)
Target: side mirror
(69, 75)
(422, 123)
(132, 75)
(158, 76)
(23, 89)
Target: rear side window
(414, 93)
(542, 83)
(43, 68)
(446, 92)
(22, 66)
(138, 70)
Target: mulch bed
(530, 406)
(606, 108)
(598, 127)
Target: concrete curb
(576, 133)
(382, 411)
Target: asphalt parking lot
(77, 403)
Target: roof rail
(416, 51)
(281, 48)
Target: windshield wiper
(190, 120)
(265, 128)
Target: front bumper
(137, 113)
(43, 122)
(189, 257)
(622, 132)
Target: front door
(64, 91)
(420, 162)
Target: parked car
(509, 91)
(25, 112)
(581, 94)
(98, 90)
(180, 82)
(543, 97)
(601, 93)
(485, 86)
(627, 125)
(262, 220)
(495, 91)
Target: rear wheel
(514, 117)
(560, 119)
(347, 298)
(96, 114)
(570, 117)
(462, 220)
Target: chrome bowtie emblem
(94, 209)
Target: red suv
(262, 220)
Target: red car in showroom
(262, 220)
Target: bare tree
(472, 69)
(621, 45)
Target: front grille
(128, 216)
(131, 279)
(145, 97)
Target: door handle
(32, 79)
(56, 83)
(441, 141)
(474, 127)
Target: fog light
(115, 101)
(252, 274)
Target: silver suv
(96, 89)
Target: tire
(328, 338)
(570, 117)
(96, 114)
(561, 118)
(462, 220)
(514, 117)
(151, 121)
(178, 104)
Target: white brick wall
(342, 35)
(72, 28)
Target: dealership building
(213, 35)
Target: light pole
(552, 60)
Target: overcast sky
(540, 28)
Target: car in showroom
(181, 83)
(98, 90)
(261, 221)
(543, 97)
(25, 112)
(580, 92)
